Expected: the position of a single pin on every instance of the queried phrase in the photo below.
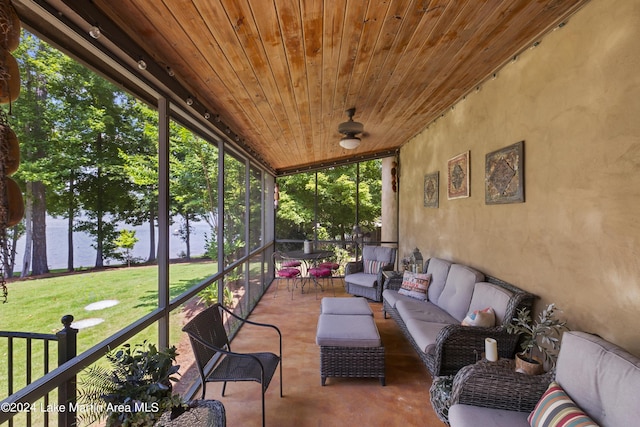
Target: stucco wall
(575, 101)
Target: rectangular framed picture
(431, 189)
(458, 176)
(504, 175)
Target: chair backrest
(600, 377)
(277, 260)
(207, 326)
(458, 290)
(379, 253)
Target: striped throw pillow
(373, 266)
(556, 409)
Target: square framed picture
(504, 175)
(431, 189)
(458, 176)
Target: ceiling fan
(350, 130)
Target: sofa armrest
(458, 346)
(394, 283)
(380, 280)
(497, 385)
(353, 267)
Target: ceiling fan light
(95, 32)
(350, 142)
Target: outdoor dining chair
(321, 273)
(286, 269)
(210, 344)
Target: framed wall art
(458, 176)
(431, 189)
(504, 175)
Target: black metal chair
(209, 342)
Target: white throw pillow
(485, 318)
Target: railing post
(67, 350)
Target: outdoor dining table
(309, 259)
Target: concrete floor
(404, 401)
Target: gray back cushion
(379, 253)
(439, 269)
(486, 294)
(458, 289)
(602, 378)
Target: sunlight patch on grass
(100, 305)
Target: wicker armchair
(359, 281)
(497, 385)
(601, 379)
(493, 385)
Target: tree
(235, 213)
(68, 143)
(194, 189)
(73, 122)
(33, 116)
(140, 163)
(126, 240)
(103, 190)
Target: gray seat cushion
(457, 292)
(439, 269)
(392, 297)
(347, 330)
(486, 294)
(424, 311)
(337, 305)
(424, 333)
(474, 416)
(362, 279)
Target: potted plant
(542, 335)
(135, 390)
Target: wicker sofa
(602, 379)
(434, 326)
(364, 278)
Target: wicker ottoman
(350, 347)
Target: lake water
(85, 255)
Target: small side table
(392, 279)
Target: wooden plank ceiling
(281, 73)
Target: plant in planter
(134, 391)
(542, 335)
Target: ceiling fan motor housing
(350, 128)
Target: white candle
(491, 349)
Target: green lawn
(37, 306)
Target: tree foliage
(125, 242)
(335, 217)
(90, 155)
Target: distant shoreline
(85, 254)
(63, 272)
